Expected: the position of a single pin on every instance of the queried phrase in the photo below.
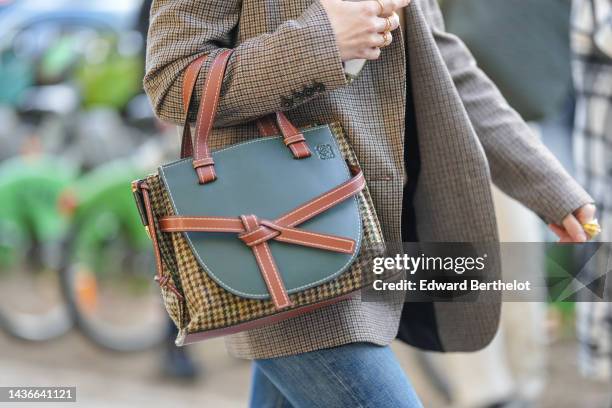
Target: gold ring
(592, 228)
(387, 39)
(388, 24)
(382, 6)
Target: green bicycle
(106, 267)
(31, 230)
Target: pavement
(106, 379)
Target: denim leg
(264, 394)
(353, 375)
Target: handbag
(259, 231)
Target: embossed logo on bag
(325, 151)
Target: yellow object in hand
(592, 228)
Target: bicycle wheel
(108, 282)
(31, 304)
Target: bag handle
(202, 160)
(189, 82)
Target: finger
(372, 53)
(376, 7)
(574, 229)
(399, 4)
(383, 8)
(386, 39)
(380, 40)
(559, 232)
(586, 213)
(387, 23)
(388, 7)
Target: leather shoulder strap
(202, 160)
(189, 81)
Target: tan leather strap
(265, 231)
(189, 83)
(255, 233)
(267, 126)
(206, 116)
(325, 201)
(293, 138)
(267, 266)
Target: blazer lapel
(453, 200)
(453, 164)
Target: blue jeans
(353, 375)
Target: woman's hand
(572, 229)
(360, 26)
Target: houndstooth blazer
(286, 59)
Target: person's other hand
(572, 229)
(359, 26)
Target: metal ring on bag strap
(207, 112)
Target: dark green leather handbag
(259, 231)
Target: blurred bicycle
(31, 231)
(67, 72)
(107, 266)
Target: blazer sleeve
(271, 72)
(520, 164)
